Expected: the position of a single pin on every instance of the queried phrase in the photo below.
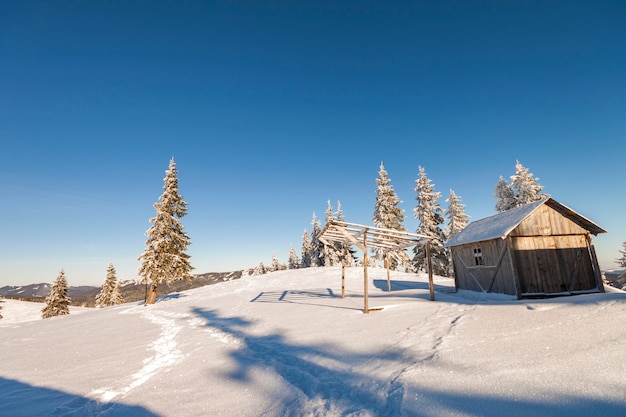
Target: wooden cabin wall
(553, 264)
(496, 272)
(546, 221)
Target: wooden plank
(495, 273)
(595, 265)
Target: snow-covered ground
(287, 344)
(17, 312)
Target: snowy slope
(286, 344)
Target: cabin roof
(501, 224)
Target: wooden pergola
(364, 237)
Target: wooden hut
(540, 249)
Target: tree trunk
(152, 295)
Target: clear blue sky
(272, 108)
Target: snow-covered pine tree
(505, 196)
(457, 220)
(330, 254)
(455, 213)
(622, 260)
(387, 213)
(306, 250)
(58, 302)
(317, 247)
(429, 213)
(294, 262)
(350, 258)
(275, 265)
(260, 269)
(525, 187)
(164, 259)
(110, 292)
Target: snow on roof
(501, 224)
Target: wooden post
(388, 276)
(365, 279)
(153, 294)
(429, 264)
(343, 272)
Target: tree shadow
(19, 399)
(322, 380)
(322, 377)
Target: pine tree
(317, 247)
(110, 292)
(294, 262)
(306, 250)
(622, 261)
(165, 259)
(330, 253)
(275, 265)
(349, 253)
(505, 196)
(524, 186)
(260, 269)
(457, 219)
(522, 189)
(429, 213)
(58, 302)
(387, 213)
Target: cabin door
(552, 265)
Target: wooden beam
(429, 263)
(495, 273)
(365, 278)
(388, 276)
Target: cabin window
(478, 256)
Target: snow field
(286, 344)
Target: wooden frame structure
(364, 237)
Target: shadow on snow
(19, 399)
(324, 382)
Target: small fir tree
(524, 188)
(294, 262)
(346, 250)
(58, 302)
(622, 260)
(260, 269)
(275, 265)
(165, 259)
(317, 247)
(505, 196)
(306, 250)
(387, 213)
(430, 216)
(457, 221)
(110, 292)
(331, 256)
(455, 213)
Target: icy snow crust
(286, 344)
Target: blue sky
(272, 108)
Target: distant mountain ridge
(85, 295)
